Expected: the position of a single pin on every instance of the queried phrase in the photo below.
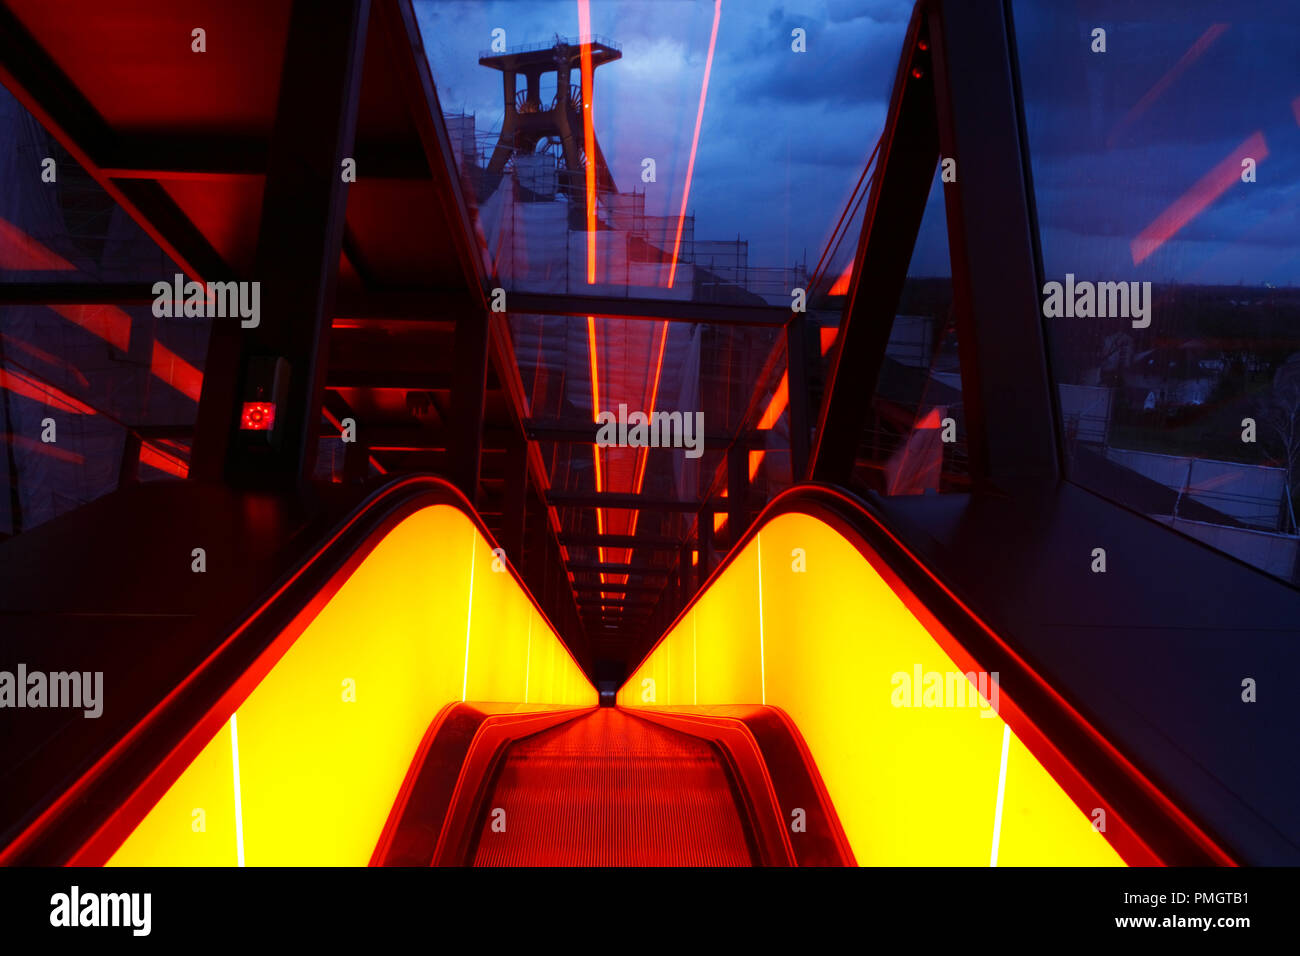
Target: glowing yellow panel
(1037, 806)
(195, 819)
(499, 631)
(910, 752)
(729, 670)
(326, 738)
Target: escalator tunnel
(399, 699)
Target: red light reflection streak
(771, 415)
(588, 136)
(21, 253)
(1195, 201)
(155, 457)
(48, 449)
(695, 141)
(31, 387)
(107, 322)
(176, 372)
(45, 357)
(644, 453)
(1193, 53)
(595, 415)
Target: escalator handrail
(95, 813)
(1056, 724)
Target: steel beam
(516, 500)
(620, 588)
(301, 236)
(607, 568)
(909, 152)
(666, 310)
(609, 499)
(468, 397)
(585, 432)
(645, 542)
(796, 362)
(1007, 393)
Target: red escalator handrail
(92, 816)
(1152, 829)
(789, 771)
(443, 769)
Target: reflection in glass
(1173, 159)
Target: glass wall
(914, 439)
(726, 137)
(91, 396)
(1165, 146)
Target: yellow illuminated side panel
(325, 740)
(913, 776)
(728, 670)
(195, 819)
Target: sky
(1116, 138)
(784, 135)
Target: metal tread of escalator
(608, 789)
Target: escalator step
(612, 790)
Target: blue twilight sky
(1116, 138)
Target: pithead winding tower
(529, 121)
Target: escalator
(765, 727)
(608, 789)
(611, 790)
(493, 786)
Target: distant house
(1171, 377)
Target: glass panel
(90, 395)
(914, 441)
(724, 190)
(676, 368)
(68, 230)
(1167, 164)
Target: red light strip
(156, 458)
(19, 252)
(588, 133)
(42, 356)
(841, 285)
(644, 453)
(771, 415)
(22, 253)
(827, 337)
(175, 371)
(330, 417)
(695, 141)
(30, 387)
(1206, 40)
(96, 850)
(595, 413)
(776, 405)
(1195, 201)
(49, 449)
(106, 321)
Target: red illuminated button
(258, 417)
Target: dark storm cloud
(1118, 137)
(785, 135)
(848, 62)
